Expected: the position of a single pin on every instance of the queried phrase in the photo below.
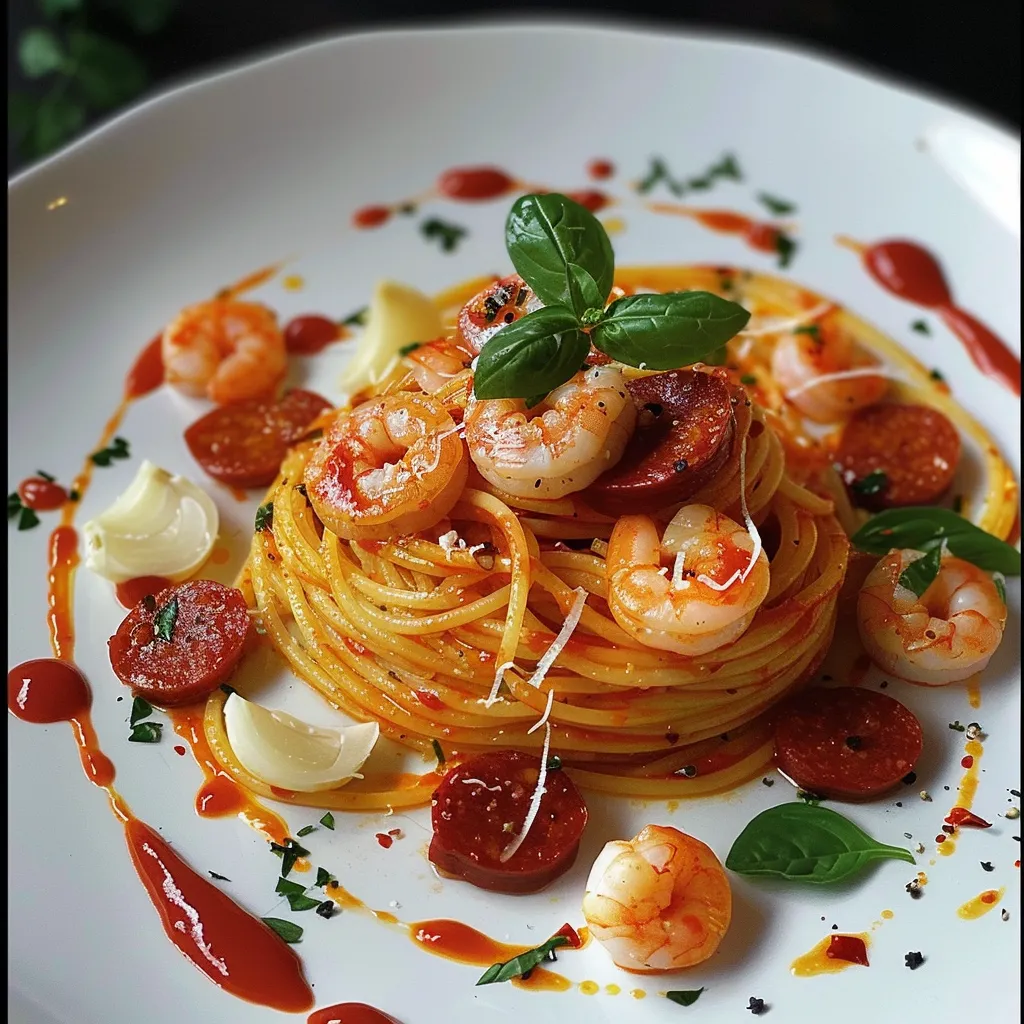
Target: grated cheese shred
(531, 814)
(558, 644)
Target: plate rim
(866, 73)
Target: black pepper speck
(757, 1006)
(987, 866)
(913, 960)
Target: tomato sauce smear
(480, 808)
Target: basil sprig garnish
(564, 254)
(928, 530)
(806, 843)
(521, 965)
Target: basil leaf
(685, 998)
(524, 963)
(806, 843)
(664, 332)
(288, 931)
(141, 708)
(300, 901)
(14, 505)
(27, 518)
(532, 356)
(920, 573)
(264, 516)
(39, 52)
(328, 821)
(145, 732)
(285, 887)
(552, 241)
(164, 620)
(107, 73)
(921, 528)
(323, 876)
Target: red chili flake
(848, 948)
(430, 699)
(600, 169)
(949, 829)
(370, 216)
(571, 934)
(396, 833)
(180, 751)
(989, 897)
(672, 737)
(967, 761)
(962, 816)
(384, 840)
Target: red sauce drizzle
(472, 184)
(235, 950)
(179, 750)
(849, 948)
(599, 169)
(307, 335)
(371, 216)
(63, 559)
(961, 816)
(41, 495)
(591, 199)
(350, 1013)
(910, 272)
(131, 592)
(384, 839)
(147, 372)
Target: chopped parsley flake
(146, 732)
(874, 483)
(117, 450)
(164, 621)
(921, 326)
(447, 235)
(328, 821)
(684, 997)
(305, 830)
(774, 205)
(264, 516)
(438, 753)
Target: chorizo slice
(684, 435)
(846, 743)
(243, 444)
(480, 808)
(892, 456)
(178, 647)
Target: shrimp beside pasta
(658, 902)
(946, 635)
(226, 350)
(707, 598)
(825, 374)
(559, 446)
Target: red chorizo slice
(683, 437)
(243, 445)
(178, 647)
(847, 743)
(498, 304)
(481, 807)
(896, 455)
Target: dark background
(967, 52)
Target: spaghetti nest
(410, 632)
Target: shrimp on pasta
(559, 446)
(709, 596)
(392, 466)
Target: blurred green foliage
(81, 70)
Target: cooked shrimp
(808, 369)
(500, 303)
(436, 362)
(658, 902)
(225, 349)
(390, 467)
(947, 634)
(712, 593)
(561, 445)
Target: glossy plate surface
(266, 164)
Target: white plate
(197, 188)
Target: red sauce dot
(371, 216)
(848, 948)
(384, 840)
(988, 897)
(591, 199)
(307, 335)
(600, 169)
(474, 183)
(1016, 863)
(46, 690)
(180, 751)
(940, 839)
(41, 495)
(967, 762)
(763, 237)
